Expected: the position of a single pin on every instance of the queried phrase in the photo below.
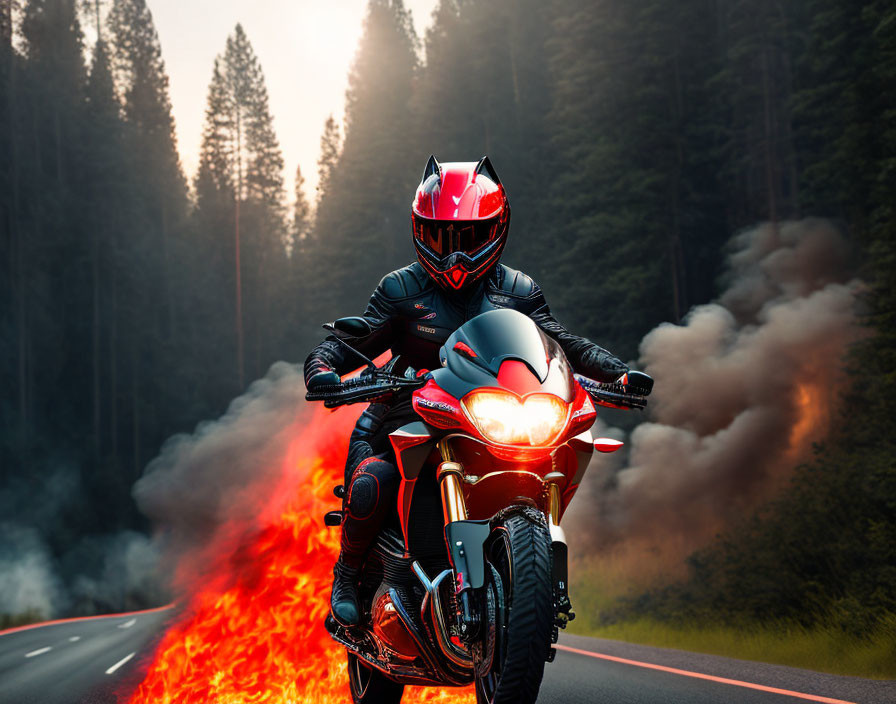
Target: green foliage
(820, 648)
(362, 220)
(241, 217)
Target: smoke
(210, 493)
(202, 492)
(28, 580)
(744, 386)
(45, 574)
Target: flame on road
(252, 631)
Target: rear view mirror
(353, 326)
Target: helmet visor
(444, 237)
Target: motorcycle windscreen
(475, 352)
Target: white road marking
(40, 651)
(128, 624)
(74, 638)
(120, 663)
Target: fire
(252, 630)
(811, 414)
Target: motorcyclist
(460, 218)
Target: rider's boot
(344, 597)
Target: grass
(823, 649)
(8, 620)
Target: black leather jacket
(409, 314)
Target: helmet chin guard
(460, 218)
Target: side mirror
(607, 445)
(353, 326)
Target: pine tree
(362, 222)
(501, 113)
(150, 303)
(240, 179)
(301, 216)
(634, 193)
(330, 150)
(105, 175)
(13, 408)
(53, 290)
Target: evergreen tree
(150, 302)
(12, 323)
(330, 150)
(53, 292)
(240, 180)
(500, 113)
(362, 223)
(757, 84)
(301, 216)
(634, 193)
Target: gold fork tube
(554, 504)
(450, 476)
(551, 480)
(453, 504)
(445, 450)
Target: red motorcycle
(470, 583)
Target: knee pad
(363, 495)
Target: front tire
(370, 686)
(521, 554)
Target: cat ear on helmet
(485, 167)
(432, 168)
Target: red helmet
(460, 217)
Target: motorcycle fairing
(496, 336)
(412, 443)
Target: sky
(305, 48)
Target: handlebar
(376, 384)
(371, 385)
(611, 395)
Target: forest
(634, 138)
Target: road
(598, 671)
(83, 661)
(89, 661)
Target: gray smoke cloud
(206, 491)
(28, 580)
(743, 387)
(98, 573)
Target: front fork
(465, 541)
(559, 553)
(466, 538)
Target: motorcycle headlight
(507, 419)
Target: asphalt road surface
(83, 661)
(98, 660)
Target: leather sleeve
(585, 357)
(329, 355)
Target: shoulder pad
(404, 283)
(515, 283)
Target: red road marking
(82, 618)
(711, 678)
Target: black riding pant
(371, 480)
